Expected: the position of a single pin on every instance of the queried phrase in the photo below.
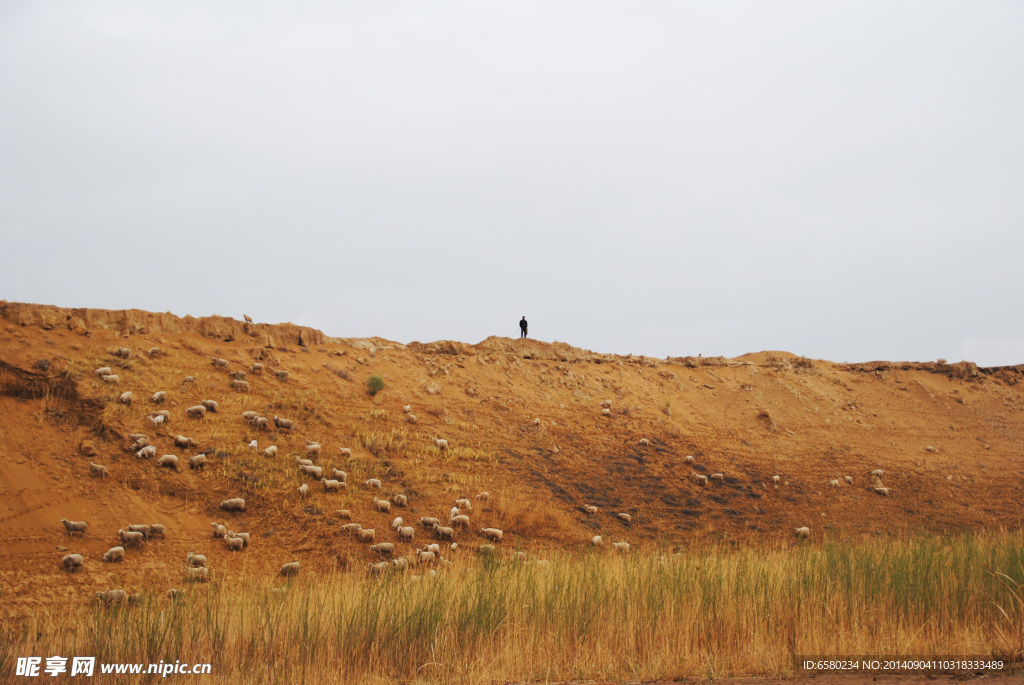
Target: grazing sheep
(290, 569)
(129, 538)
(338, 474)
(407, 408)
(155, 352)
(219, 363)
(717, 476)
(460, 521)
(240, 385)
(464, 504)
(884, 492)
(282, 375)
(104, 371)
(519, 556)
(834, 482)
(378, 568)
(333, 485)
(147, 451)
(453, 513)
(848, 479)
(262, 423)
(689, 459)
(373, 483)
(139, 440)
(313, 449)
(197, 412)
(492, 533)
(401, 563)
(698, 478)
(114, 554)
(397, 523)
(589, 508)
(343, 514)
(606, 404)
(366, 534)
(155, 420)
(159, 397)
(270, 451)
(197, 575)
(300, 462)
(425, 557)
(351, 528)
(385, 549)
(434, 547)
(429, 521)
(256, 369)
(219, 530)
(183, 442)
(239, 375)
(444, 532)
(644, 442)
(188, 379)
(98, 470)
(400, 500)
(878, 473)
(73, 562)
(235, 504)
(622, 547)
(315, 471)
(73, 527)
(124, 352)
(453, 547)
(196, 560)
(211, 405)
(440, 444)
(157, 529)
(624, 516)
(411, 418)
(776, 479)
(484, 496)
(250, 415)
(303, 490)
(802, 532)
(126, 397)
(406, 533)
(485, 549)
(536, 422)
(381, 504)
(111, 378)
(253, 445)
(234, 544)
(345, 451)
(597, 541)
(283, 424)
(606, 412)
(166, 415)
(197, 462)
(109, 597)
(140, 528)
(169, 461)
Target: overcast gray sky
(841, 180)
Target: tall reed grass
(704, 613)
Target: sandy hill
(948, 436)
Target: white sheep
(428, 521)
(453, 513)
(302, 462)
(316, 472)
(98, 470)
(345, 451)
(343, 514)
(589, 508)
(624, 516)
(124, 352)
(492, 533)
(290, 569)
(717, 476)
(338, 474)
(197, 462)
(333, 485)
(484, 496)
(519, 556)
(407, 408)
(884, 492)
(140, 528)
(400, 500)
(114, 554)
(460, 521)
(282, 375)
(373, 483)
(234, 504)
(406, 533)
(848, 479)
(698, 478)
(256, 369)
(606, 404)
(169, 461)
(239, 375)
(196, 559)
(802, 532)
(104, 371)
(834, 482)
(183, 442)
(211, 405)
(444, 532)
(197, 412)
(129, 538)
(379, 568)
(270, 451)
(397, 523)
(261, 423)
(111, 378)
(197, 575)
(240, 385)
(111, 596)
(157, 529)
(366, 534)
(146, 452)
(434, 547)
(250, 415)
(644, 442)
(303, 490)
(219, 363)
(776, 479)
(425, 557)
(878, 473)
(622, 547)
(73, 562)
(253, 446)
(606, 412)
(244, 537)
(597, 541)
(401, 563)
(126, 397)
(219, 530)
(381, 504)
(411, 418)
(283, 424)
(689, 459)
(536, 422)
(464, 504)
(385, 549)
(73, 527)
(441, 444)
(351, 528)
(188, 379)
(234, 544)
(313, 450)
(159, 397)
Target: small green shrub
(374, 384)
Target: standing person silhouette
(522, 327)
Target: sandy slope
(949, 438)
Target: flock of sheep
(457, 520)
